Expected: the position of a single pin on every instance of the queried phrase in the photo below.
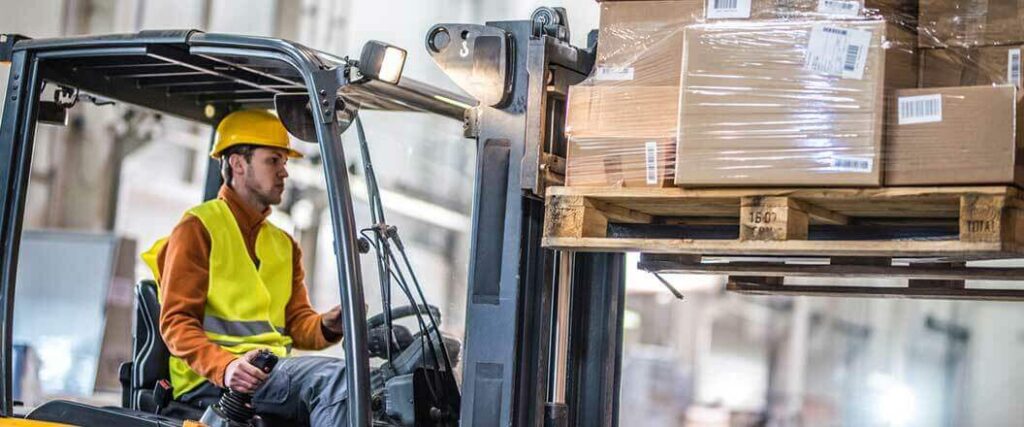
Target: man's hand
(242, 376)
(331, 320)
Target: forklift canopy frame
(201, 77)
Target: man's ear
(236, 161)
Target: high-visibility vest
(245, 304)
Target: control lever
(235, 409)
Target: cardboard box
(966, 23)
(971, 66)
(753, 114)
(620, 162)
(976, 138)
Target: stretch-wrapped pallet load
(741, 93)
(638, 121)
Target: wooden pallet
(951, 223)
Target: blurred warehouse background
(116, 179)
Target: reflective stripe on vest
(245, 306)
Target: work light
(382, 61)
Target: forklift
(543, 338)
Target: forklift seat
(149, 365)
(150, 358)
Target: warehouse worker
(231, 283)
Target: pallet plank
(826, 216)
(876, 292)
(840, 271)
(617, 213)
(921, 202)
(881, 248)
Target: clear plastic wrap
(805, 94)
(613, 162)
(964, 23)
(989, 65)
(630, 101)
(785, 102)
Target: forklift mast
(543, 329)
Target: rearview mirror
(297, 117)
(295, 114)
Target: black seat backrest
(150, 356)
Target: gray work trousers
(309, 389)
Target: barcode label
(651, 154)
(728, 9)
(839, 7)
(852, 51)
(835, 51)
(851, 164)
(919, 109)
(613, 73)
(1013, 67)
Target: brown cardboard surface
(965, 66)
(965, 23)
(619, 162)
(902, 60)
(751, 114)
(616, 111)
(644, 37)
(977, 142)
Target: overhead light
(382, 61)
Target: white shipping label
(1013, 67)
(728, 9)
(613, 73)
(839, 7)
(852, 164)
(651, 154)
(919, 109)
(836, 51)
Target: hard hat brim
(292, 154)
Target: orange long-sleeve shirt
(185, 266)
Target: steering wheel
(403, 311)
(377, 335)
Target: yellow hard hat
(251, 127)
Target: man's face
(265, 174)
